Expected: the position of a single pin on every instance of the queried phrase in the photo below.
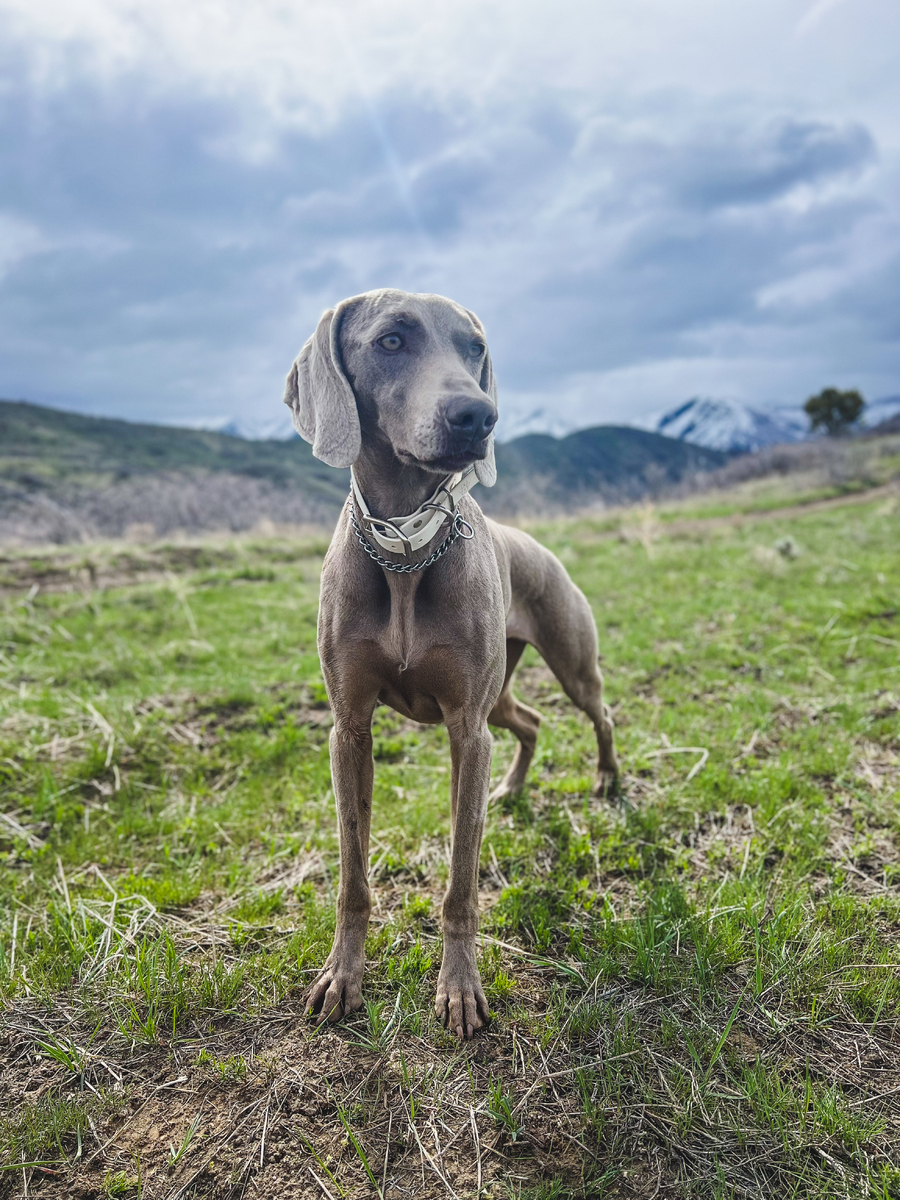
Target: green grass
(696, 989)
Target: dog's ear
(486, 470)
(320, 397)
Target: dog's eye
(391, 341)
(477, 349)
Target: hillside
(610, 462)
(65, 477)
(45, 448)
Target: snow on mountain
(269, 429)
(880, 410)
(538, 420)
(729, 425)
(716, 424)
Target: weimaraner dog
(428, 612)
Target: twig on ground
(387, 1151)
(477, 1141)
(319, 1182)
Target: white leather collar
(404, 535)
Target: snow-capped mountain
(881, 410)
(270, 429)
(703, 421)
(537, 420)
(729, 425)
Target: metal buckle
(391, 530)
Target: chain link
(406, 568)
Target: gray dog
(428, 612)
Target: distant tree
(834, 411)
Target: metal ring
(458, 523)
(448, 512)
(393, 531)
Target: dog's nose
(470, 419)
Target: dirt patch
(274, 1107)
(122, 564)
(291, 1109)
(200, 721)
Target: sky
(643, 201)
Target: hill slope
(610, 462)
(46, 448)
(64, 476)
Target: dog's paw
(501, 792)
(336, 992)
(607, 785)
(461, 1005)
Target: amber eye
(477, 349)
(391, 341)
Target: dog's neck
(392, 488)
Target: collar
(404, 535)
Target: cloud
(814, 15)
(19, 239)
(182, 197)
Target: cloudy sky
(643, 200)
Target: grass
(695, 992)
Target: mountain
(67, 477)
(737, 429)
(730, 426)
(251, 429)
(608, 464)
(879, 411)
(44, 448)
(254, 429)
(716, 424)
(538, 420)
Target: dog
(428, 612)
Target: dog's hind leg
(584, 687)
(575, 666)
(510, 713)
(566, 639)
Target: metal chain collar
(456, 532)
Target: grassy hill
(47, 449)
(613, 462)
(98, 472)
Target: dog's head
(412, 371)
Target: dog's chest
(412, 703)
(427, 684)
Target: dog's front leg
(461, 1003)
(338, 990)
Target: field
(695, 990)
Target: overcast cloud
(643, 201)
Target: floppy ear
(486, 470)
(320, 397)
